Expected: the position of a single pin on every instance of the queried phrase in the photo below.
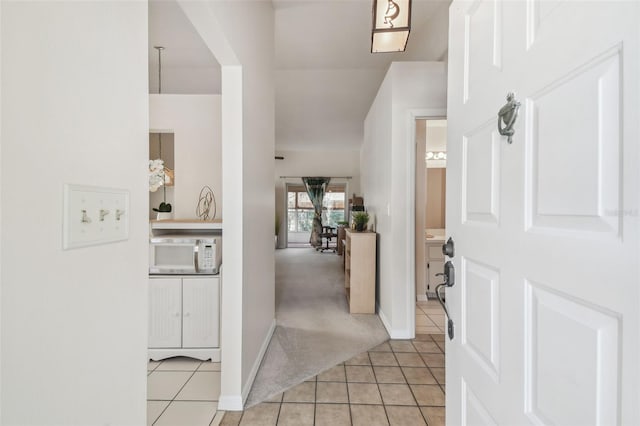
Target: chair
(327, 235)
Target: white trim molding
(256, 365)
(398, 333)
(412, 116)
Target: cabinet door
(200, 312)
(165, 312)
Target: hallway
(391, 382)
(314, 328)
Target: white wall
(74, 109)
(313, 163)
(387, 180)
(195, 121)
(249, 28)
(375, 184)
(240, 35)
(436, 41)
(1, 223)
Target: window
(300, 209)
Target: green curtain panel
(316, 187)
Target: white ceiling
(326, 77)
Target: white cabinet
(435, 265)
(184, 317)
(165, 313)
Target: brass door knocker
(507, 117)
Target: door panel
(483, 45)
(546, 228)
(474, 412)
(481, 175)
(584, 199)
(571, 367)
(480, 334)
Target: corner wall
(74, 110)
(408, 91)
(240, 35)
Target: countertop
(434, 235)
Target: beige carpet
(314, 328)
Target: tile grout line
(346, 382)
(384, 406)
(431, 371)
(411, 389)
(177, 393)
(315, 398)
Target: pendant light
(168, 173)
(391, 25)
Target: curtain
(316, 187)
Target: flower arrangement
(157, 178)
(156, 174)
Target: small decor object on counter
(360, 220)
(203, 209)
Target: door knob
(448, 248)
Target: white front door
(546, 300)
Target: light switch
(94, 215)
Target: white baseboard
(394, 333)
(230, 403)
(422, 297)
(256, 365)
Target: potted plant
(360, 219)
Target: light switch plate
(94, 215)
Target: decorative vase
(360, 227)
(164, 216)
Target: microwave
(185, 254)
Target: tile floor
(183, 392)
(400, 382)
(429, 317)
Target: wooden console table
(360, 271)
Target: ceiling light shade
(391, 25)
(435, 155)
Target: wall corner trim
(230, 403)
(394, 333)
(256, 365)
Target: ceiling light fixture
(391, 25)
(435, 155)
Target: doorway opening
(430, 196)
(300, 212)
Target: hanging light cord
(164, 179)
(159, 49)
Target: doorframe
(412, 116)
